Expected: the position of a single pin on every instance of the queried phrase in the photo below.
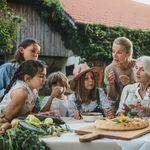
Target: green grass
(41, 98)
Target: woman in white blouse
(135, 98)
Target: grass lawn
(41, 98)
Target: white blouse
(57, 104)
(130, 95)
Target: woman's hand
(109, 112)
(124, 110)
(139, 106)
(111, 77)
(125, 80)
(77, 114)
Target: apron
(97, 109)
(133, 96)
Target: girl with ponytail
(27, 49)
(21, 94)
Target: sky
(143, 1)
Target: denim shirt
(7, 71)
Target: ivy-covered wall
(92, 42)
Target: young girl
(27, 49)
(58, 83)
(120, 72)
(20, 98)
(87, 98)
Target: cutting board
(91, 133)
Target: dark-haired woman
(27, 49)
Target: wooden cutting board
(91, 133)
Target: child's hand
(54, 91)
(125, 80)
(111, 77)
(109, 112)
(77, 115)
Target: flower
(123, 118)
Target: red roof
(126, 13)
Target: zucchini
(56, 120)
(39, 131)
(28, 126)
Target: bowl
(91, 116)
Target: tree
(9, 23)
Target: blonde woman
(120, 72)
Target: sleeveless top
(30, 101)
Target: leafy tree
(9, 23)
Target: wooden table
(70, 141)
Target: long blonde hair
(81, 93)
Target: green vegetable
(19, 139)
(14, 122)
(128, 121)
(33, 123)
(39, 131)
(33, 118)
(48, 120)
(42, 118)
(129, 113)
(117, 120)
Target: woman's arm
(110, 82)
(18, 99)
(123, 108)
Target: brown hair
(55, 77)
(30, 67)
(18, 57)
(81, 93)
(126, 43)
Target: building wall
(35, 27)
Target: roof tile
(126, 13)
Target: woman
(120, 72)
(135, 98)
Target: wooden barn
(53, 52)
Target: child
(58, 83)
(87, 98)
(20, 98)
(27, 49)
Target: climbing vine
(92, 42)
(9, 23)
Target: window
(2, 59)
(69, 70)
